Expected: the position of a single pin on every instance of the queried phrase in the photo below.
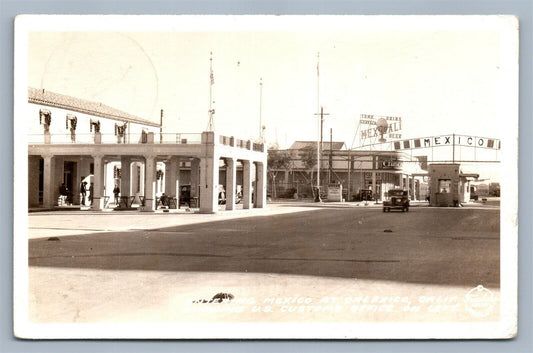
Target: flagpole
(260, 109)
(318, 126)
(211, 125)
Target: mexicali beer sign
(369, 126)
(448, 140)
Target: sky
(437, 81)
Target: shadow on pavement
(423, 246)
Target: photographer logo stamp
(479, 301)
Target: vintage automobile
(397, 199)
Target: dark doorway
(41, 180)
(68, 173)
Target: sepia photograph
(265, 177)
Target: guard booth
(449, 185)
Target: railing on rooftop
(226, 140)
(178, 138)
(142, 138)
(242, 143)
(246, 144)
(258, 147)
(165, 138)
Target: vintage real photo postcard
(266, 177)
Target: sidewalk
(486, 203)
(372, 204)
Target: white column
(246, 184)
(231, 188)
(209, 185)
(168, 176)
(150, 180)
(172, 175)
(374, 187)
(59, 169)
(98, 183)
(84, 167)
(125, 176)
(261, 185)
(134, 178)
(384, 176)
(48, 180)
(176, 171)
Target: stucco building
(71, 140)
(358, 171)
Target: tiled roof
(298, 145)
(51, 99)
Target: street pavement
(290, 262)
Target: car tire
(384, 209)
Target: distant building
(359, 172)
(482, 189)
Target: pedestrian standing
(83, 191)
(91, 190)
(116, 192)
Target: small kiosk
(335, 192)
(449, 186)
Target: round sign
(382, 126)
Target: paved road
(153, 267)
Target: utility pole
(349, 174)
(161, 128)
(319, 145)
(453, 153)
(317, 198)
(330, 171)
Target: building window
(445, 186)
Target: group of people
(66, 195)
